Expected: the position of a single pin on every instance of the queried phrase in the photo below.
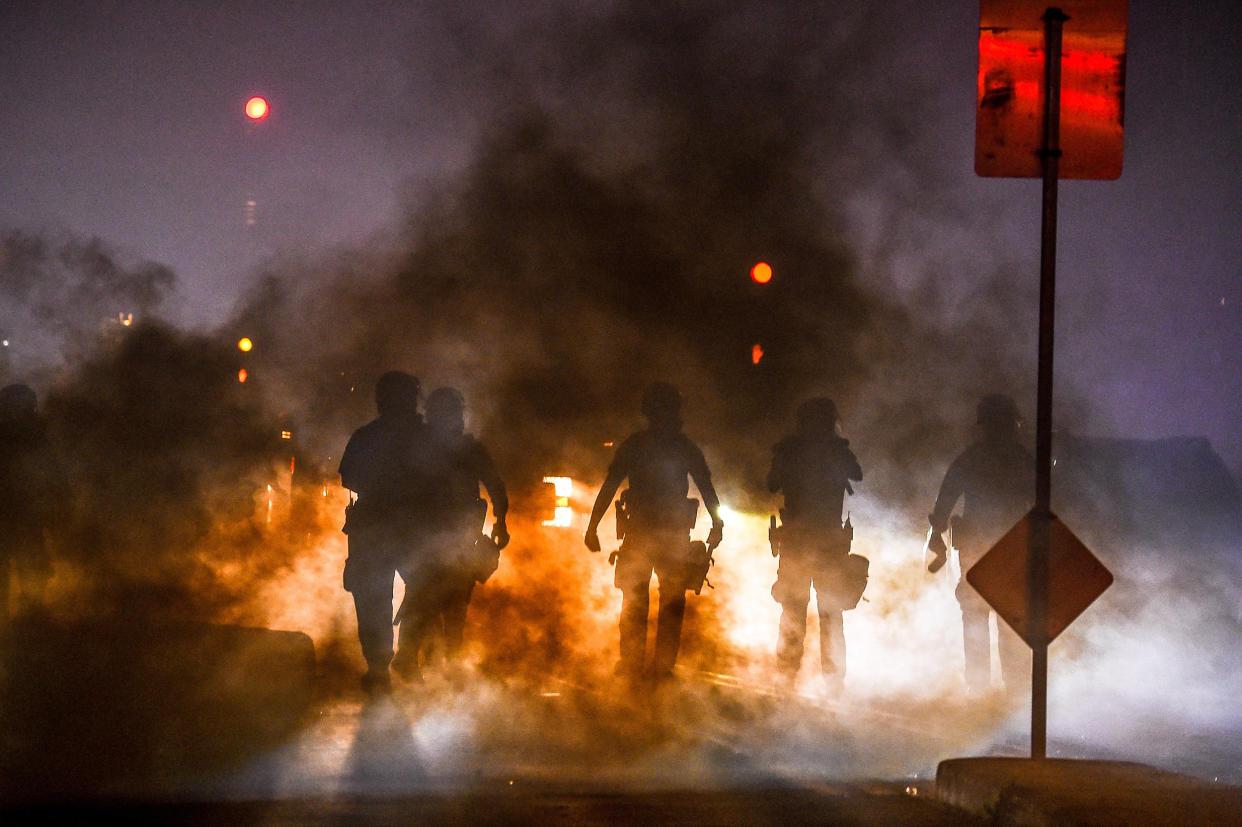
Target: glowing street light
(761, 273)
(244, 344)
(256, 108)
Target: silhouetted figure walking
(383, 523)
(452, 554)
(995, 478)
(813, 468)
(32, 500)
(657, 518)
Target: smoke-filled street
(567, 266)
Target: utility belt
(636, 519)
(801, 538)
(633, 514)
(690, 561)
(839, 576)
(467, 518)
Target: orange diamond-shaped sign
(1075, 578)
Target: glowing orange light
(244, 344)
(761, 272)
(241, 375)
(756, 353)
(563, 513)
(256, 108)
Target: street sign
(1075, 578)
(1009, 95)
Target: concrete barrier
(121, 708)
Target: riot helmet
(446, 411)
(396, 393)
(817, 416)
(997, 414)
(662, 404)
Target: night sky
(124, 122)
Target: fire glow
(563, 514)
(552, 605)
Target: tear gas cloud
(633, 164)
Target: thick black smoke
(58, 294)
(636, 163)
(169, 457)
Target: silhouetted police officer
(995, 477)
(452, 553)
(813, 468)
(32, 499)
(659, 462)
(382, 524)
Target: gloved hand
(935, 544)
(500, 534)
(592, 539)
(716, 534)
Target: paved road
(705, 732)
(708, 749)
(753, 807)
(705, 750)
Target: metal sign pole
(1037, 559)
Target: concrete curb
(1013, 791)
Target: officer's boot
(376, 681)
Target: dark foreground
(524, 805)
(1072, 792)
(138, 726)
